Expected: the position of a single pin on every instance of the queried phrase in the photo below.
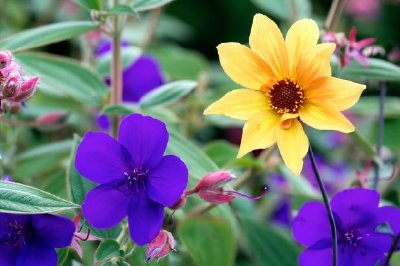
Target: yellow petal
(293, 145)
(342, 94)
(314, 63)
(325, 117)
(301, 35)
(239, 104)
(244, 67)
(258, 132)
(266, 40)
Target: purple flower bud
(160, 246)
(7, 178)
(5, 59)
(27, 89)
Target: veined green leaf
(168, 93)
(18, 198)
(45, 35)
(65, 75)
(107, 249)
(143, 5)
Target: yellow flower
(284, 81)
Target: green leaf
(283, 9)
(369, 106)
(45, 35)
(179, 63)
(107, 249)
(89, 4)
(138, 258)
(120, 109)
(196, 160)
(168, 93)
(363, 143)
(18, 198)
(45, 150)
(63, 75)
(298, 183)
(122, 9)
(269, 246)
(209, 241)
(78, 186)
(143, 5)
(377, 69)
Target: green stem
(116, 69)
(334, 14)
(381, 123)
(327, 206)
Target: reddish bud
(5, 59)
(12, 86)
(55, 118)
(27, 89)
(210, 188)
(160, 246)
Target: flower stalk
(396, 241)
(116, 68)
(328, 207)
(381, 123)
(334, 13)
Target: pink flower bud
(12, 68)
(55, 118)
(5, 59)
(12, 86)
(27, 89)
(210, 188)
(160, 246)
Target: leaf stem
(327, 206)
(381, 123)
(116, 68)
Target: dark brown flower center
(286, 97)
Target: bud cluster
(15, 87)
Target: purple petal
(37, 253)
(7, 255)
(105, 206)
(141, 77)
(390, 215)
(103, 122)
(316, 257)
(167, 181)
(6, 219)
(281, 214)
(311, 224)
(145, 138)
(55, 230)
(100, 158)
(145, 219)
(371, 249)
(106, 45)
(356, 208)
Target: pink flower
(354, 48)
(160, 246)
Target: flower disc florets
(286, 97)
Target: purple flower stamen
(17, 234)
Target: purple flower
(30, 240)
(135, 178)
(140, 77)
(357, 216)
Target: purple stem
(248, 196)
